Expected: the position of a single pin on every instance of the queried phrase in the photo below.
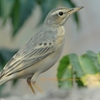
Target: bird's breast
(60, 36)
(61, 31)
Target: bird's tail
(5, 79)
(2, 81)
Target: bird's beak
(73, 10)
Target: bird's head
(58, 16)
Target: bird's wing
(20, 62)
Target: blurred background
(20, 19)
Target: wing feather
(18, 63)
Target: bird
(41, 51)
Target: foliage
(86, 69)
(20, 10)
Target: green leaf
(86, 68)
(21, 11)
(26, 9)
(65, 74)
(87, 65)
(0, 8)
(94, 58)
(16, 16)
(74, 61)
(82, 65)
(98, 58)
(6, 8)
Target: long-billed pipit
(41, 52)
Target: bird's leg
(38, 88)
(33, 80)
(30, 85)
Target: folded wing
(21, 62)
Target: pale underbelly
(43, 65)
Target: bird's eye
(61, 13)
